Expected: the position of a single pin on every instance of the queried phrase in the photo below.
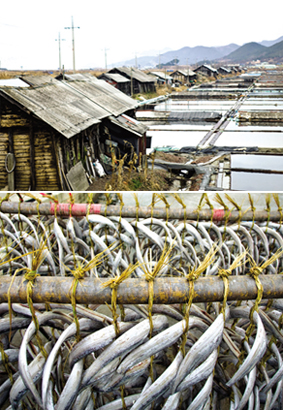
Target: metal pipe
(64, 209)
(135, 291)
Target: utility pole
(59, 42)
(105, 56)
(132, 88)
(73, 42)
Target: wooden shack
(224, 71)
(184, 76)
(117, 80)
(50, 126)
(207, 70)
(140, 81)
(161, 77)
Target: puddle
(253, 181)
(268, 162)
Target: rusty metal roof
(72, 105)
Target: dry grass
(6, 74)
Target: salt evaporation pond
(241, 127)
(249, 161)
(174, 139)
(250, 139)
(194, 105)
(256, 181)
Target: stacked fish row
(137, 368)
(161, 356)
(65, 244)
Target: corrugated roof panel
(130, 102)
(35, 80)
(65, 110)
(72, 105)
(129, 124)
(135, 73)
(97, 94)
(118, 78)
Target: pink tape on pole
(218, 214)
(95, 209)
(77, 209)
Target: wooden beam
(136, 291)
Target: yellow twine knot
(149, 277)
(31, 275)
(255, 271)
(79, 274)
(224, 273)
(192, 276)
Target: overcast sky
(125, 28)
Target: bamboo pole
(135, 291)
(63, 209)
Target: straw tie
(114, 283)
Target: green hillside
(247, 52)
(275, 51)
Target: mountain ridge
(255, 51)
(193, 55)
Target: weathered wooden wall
(31, 142)
(45, 162)
(4, 143)
(22, 155)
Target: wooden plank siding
(33, 148)
(4, 144)
(22, 156)
(45, 162)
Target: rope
(192, 276)
(276, 199)
(31, 276)
(199, 207)
(227, 212)
(163, 198)
(239, 209)
(224, 275)
(253, 210)
(267, 199)
(114, 283)
(137, 206)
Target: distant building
(161, 77)
(184, 76)
(207, 70)
(117, 80)
(140, 82)
(223, 70)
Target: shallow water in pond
(253, 181)
(177, 139)
(272, 162)
(250, 139)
